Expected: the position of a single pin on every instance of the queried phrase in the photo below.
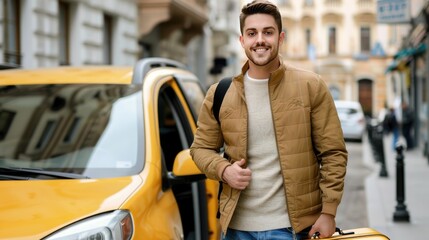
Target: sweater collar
(275, 76)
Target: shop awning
(392, 66)
(409, 52)
(404, 56)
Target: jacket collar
(275, 76)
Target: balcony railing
(333, 6)
(333, 3)
(12, 57)
(367, 6)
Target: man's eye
(251, 34)
(269, 33)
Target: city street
(369, 200)
(352, 211)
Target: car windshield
(92, 130)
(346, 110)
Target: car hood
(34, 209)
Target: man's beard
(261, 62)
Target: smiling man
(283, 175)
(261, 39)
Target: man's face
(261, 39)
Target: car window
(175, 130)
(194, 94)
(175, 122)
(84, 129)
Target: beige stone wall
(345, 69)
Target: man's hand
(236, 176)
(325, 225)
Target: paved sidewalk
(381, 193)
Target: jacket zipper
(230, 214)
(281, 168)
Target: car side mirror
(184, 169)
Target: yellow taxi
(102, 152)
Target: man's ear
(282, 37)
(242, 40)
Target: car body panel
(211, 185)
(155, 212)
(64, 75)
(154, 81)
(352, 119)
(43, 206)
(33, 209)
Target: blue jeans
(395, 132)
(276, 234)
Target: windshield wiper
(27, 172)
(12, 177)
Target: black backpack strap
(219, 94)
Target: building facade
(225, 45)
(174, 29)
(47, 33)
(381, 64)
(342, 41)
(200, 33)
(71, 32)
(409, 75)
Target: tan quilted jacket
(312, 152)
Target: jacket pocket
(225, 198)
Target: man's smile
(260, 49)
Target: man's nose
(260, 38)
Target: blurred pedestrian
(407, 125)
(390, 125)
(284, 175)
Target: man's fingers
(242, 185)
(312, 232)
(241, 163)
(237, 176)
(245, 172)
(243, 179)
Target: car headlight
(117, 225)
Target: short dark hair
(260, 6)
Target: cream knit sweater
(262, 205)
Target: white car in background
(352, 119)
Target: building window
(365, 3)
(393, 35)
(283, 2)
(332, 40)
(333, 3)
(64, 33)
(308, 3)
(6, 118)
(335, 92)
(107, 39)
(311, 51)
(308, 37)
(47, 133)
(72, 131)
(365, 39)
(12, 47)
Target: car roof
(346, 103)
(67, 75)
